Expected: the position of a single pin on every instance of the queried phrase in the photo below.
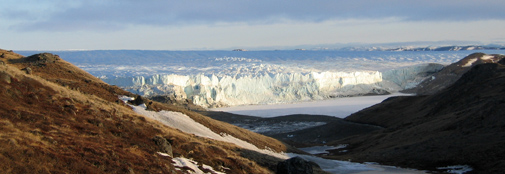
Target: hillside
(451, 73)
(462, 124)
(56, 118)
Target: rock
(502, 61)
(28, 70)
(294, 165)
(4, 77)
(377, 91)
(43, 58)
(169, 99)
(2, 62)
(163, 145)
(138, 100)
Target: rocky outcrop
(43, 58)
(137, 101)
(295, 165)
(176, 101)
(28, 70)
(163, 145)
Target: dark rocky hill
(462, 124)
(451, 73)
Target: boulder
(137, 101)
(163, 145)
(28, 70)
(5, 77)
(295, 165)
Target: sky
(258, 24)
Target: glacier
(230, 78)
(227, 90)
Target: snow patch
(487, 57)
(186, 124)
(280, 127)
(126, 98)
(334, 166)
(163, 154)
(322, 149)
(182, 163)
(456, 169)
(470, 62)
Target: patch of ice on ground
(126, 98)
(343, 167)
(487, 57)
(470, 62)
(456, 169)
(181, 162)
(335, 166)
(277, 128)
(186, 124)
(321, 149)
(339, 107)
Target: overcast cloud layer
(97, 17)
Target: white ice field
(337, 107)
(235, 78)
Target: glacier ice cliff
(217, 90)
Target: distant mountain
(427, 48)
(451, 73)
(448, 48)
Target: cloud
(115, 15)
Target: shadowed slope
(463, 124)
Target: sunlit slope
(57, 118)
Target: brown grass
(62, 120)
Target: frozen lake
(338, 107)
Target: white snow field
(322, 149)
(186, 124)
(337, 107)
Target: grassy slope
(60, 119)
